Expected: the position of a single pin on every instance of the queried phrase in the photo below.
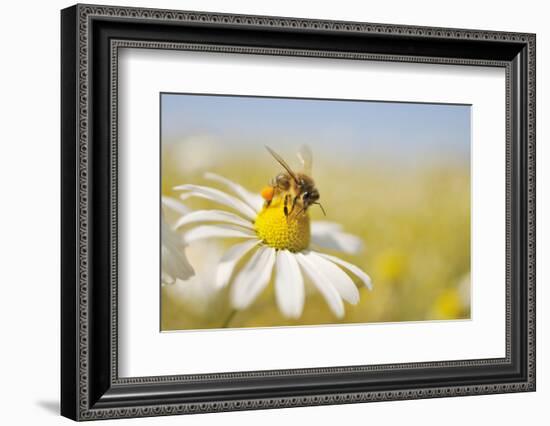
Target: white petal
(184, 197)
(339, 279)
(253, 200)
(175, 264)
(323, 226)
(322, 284)
(173, 259)
(253, 278)
(166, 279)
(175, 205)
(230, 259)
(328, 235)
(213, 216)
(216, 231)
(352, 268)
(219, 197)
(289, 285)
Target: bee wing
(282, 163)
(306, 158)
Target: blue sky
(408, 130)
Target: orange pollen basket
(267, 193)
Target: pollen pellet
(281, 232)
(267, 193)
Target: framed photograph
(263, 212)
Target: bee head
(310, 196)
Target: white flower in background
(273, 245)
(174, 262)
(199, 294)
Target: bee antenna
(322, 209)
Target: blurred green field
(414, 222)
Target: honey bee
(297, 188)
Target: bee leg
(293, 204)
(268, 201)
(303, 209)
(286, 204)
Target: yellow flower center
(282, 232)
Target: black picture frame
(90, 386)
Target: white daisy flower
(174, 262)
(198, 294)
(273, 246)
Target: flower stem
(229, 318)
